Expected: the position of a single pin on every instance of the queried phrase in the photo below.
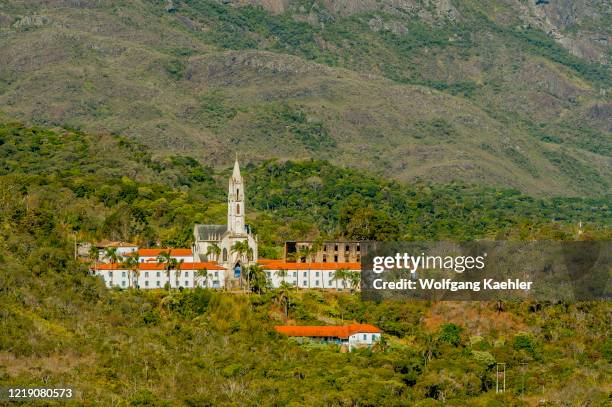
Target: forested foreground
(60, 326)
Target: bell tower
(235, 203)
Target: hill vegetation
(187, 348)
(434, 90)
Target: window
(186, 283)
(324, 247)
(224, 254)
(304, 283)
(336, 258)
(146, 274)
(357, 247)
(158, 274)
(365, 337)
(110, 274)
(317, 283)
(237, 191)
(216, 274)
(317, 274)
(346, 259)
(146, 283)
(305, 274)
(346, 248)
(158, 283)
(295, 274)
(336, 247)
(123, 283)
(237, 209)
(325, 258)
(123, 274)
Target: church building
(232, 246)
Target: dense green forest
(203, 348)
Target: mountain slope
(460, 92)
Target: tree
(341, 274)
(306, 253)
(112, 255)
(203, 275)
(215, 250)
(131, 263)
(283, 295)
(282, 274)
(169, 263)
(242, 249)
(94, 254)
(256, 278)
(354, 278)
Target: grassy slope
(498, 107)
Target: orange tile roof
(267, 261)
(276, 265)
(157, 252)
(160, 266)
(342, 332)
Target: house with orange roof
(353, 335)
(151, 255)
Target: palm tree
(305, 252)
(215, 250)
(354, 278)
(282, 274)
(131, 263)
(94, 253)
(179, 265)
(112, 255)
(169, 263)
(341, 274)
(242, 249)
(94, 257)
(256, 278)
(283, 294)
(202, 274)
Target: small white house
(353, 335)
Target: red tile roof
(342, 332)
(157, 252)
(160, 266)
(277, 265)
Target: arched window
(237, 209)
(224, 254)
(237, 192)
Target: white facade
(363, 338)
(151, 276)
(317, 277)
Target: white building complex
(218, 257)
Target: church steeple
(235, 202)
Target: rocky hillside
(509, 93)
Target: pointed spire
(236, 172)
